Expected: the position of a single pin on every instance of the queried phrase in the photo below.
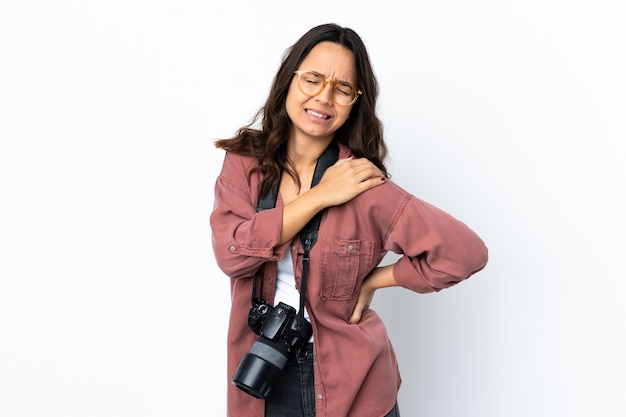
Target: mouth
(316, 114)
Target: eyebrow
(337, 81)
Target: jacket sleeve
(242, 239)
(438, 251)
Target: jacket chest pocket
(344, 265)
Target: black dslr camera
(280, 335)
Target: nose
(326, 95)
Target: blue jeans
(294, 393)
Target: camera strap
(308, 234)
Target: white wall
(507, 114)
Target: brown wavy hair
(362, 132)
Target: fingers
(362, 169)
(372, 182)
(363, 303)
(357, 314)
(348, 178)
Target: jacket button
(231, 247)
(350, 247)
(319, 396)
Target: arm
(341, 182)
(381, 277)
(438, 251)
(243, 239)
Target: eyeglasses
(312, 83)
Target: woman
(323, 95)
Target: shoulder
(236, 173)
(234, 164)
(390, 192)
(387, 201)
(231, 158)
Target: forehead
(331, 59)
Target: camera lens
(260, 368)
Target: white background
(510, 115)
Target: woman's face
(318, 116)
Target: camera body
(280, 335)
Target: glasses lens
(344, 94)
(311, 83)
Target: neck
(304, 154)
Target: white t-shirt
(286, 290)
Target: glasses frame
(326, 82)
